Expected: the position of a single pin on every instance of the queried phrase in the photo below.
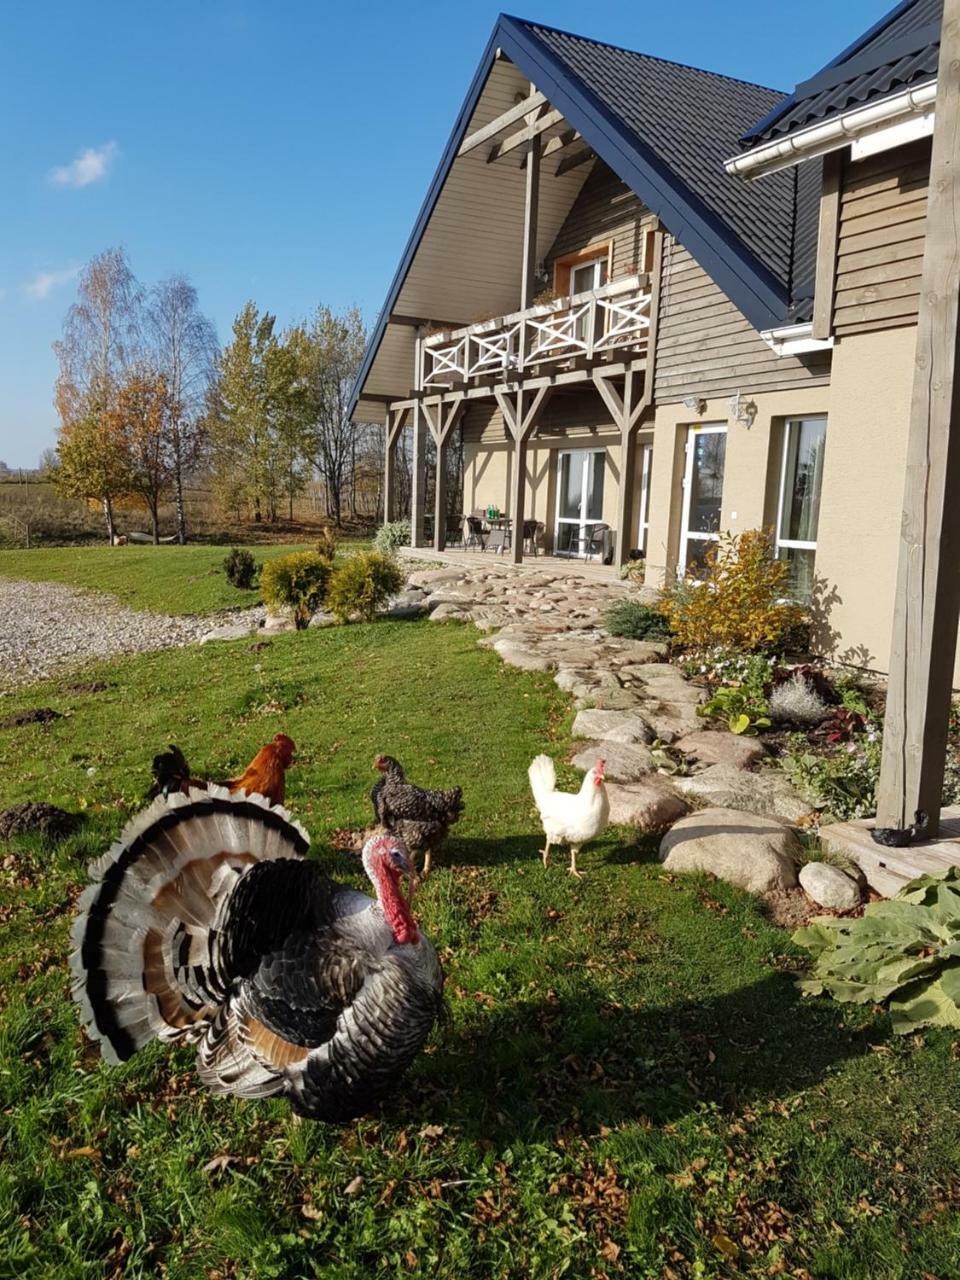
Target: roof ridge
(638, 53)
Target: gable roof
(896, 53)
(664, 129)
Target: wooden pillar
(418, 488)
(927, 603)
(531, 210)
(389, 467)
(520, 415)
(627, 524)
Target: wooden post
(530, 217)
(927, 604)
(389, 467)
(827, 241)
(418, 487)
(520, 417)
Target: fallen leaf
(353, 1186)
(219, 1163)
(431, 1131)
(610, 1250)
(411, 1259)
(311, 1212)
(725, 1245)
(79, 1153)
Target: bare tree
(102, 337)
(184, 351)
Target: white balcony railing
(613, 318)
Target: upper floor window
(798, 513)
(582, 271)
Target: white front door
(579, 499)
(702, 494)
(584, 279)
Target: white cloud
(45, 281)
(90, 166)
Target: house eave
(794, 340)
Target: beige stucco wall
(862, 496)
(751, 469)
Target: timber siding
(706, 347)
(883, 209)
(605, 210)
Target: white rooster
(569, 819)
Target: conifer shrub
(361, 584)
(297, 582)
(241, 568)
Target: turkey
(205, 924)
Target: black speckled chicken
(421, 818)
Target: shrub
(390, 536)
(241, 568)
(327, 541)
(902, 952)
(744, 710)
(634, 571)
(842, 780)
(636, 621)
(795, 701)
(298, 582)
(740, 601)
(361, 584)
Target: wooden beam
(507, 408)
(529, 406)
(418, 492)
(503, 121)
(927, 602)
(449, 418)
(420, 322)
(827, 241)
(531, 219)
(553, 145)
(573, 161)
(524, 135)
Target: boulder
(752, 852)
(274, 623)
(431, 578)
(650, 804)
(322, 618)
(524, 657)
(612, 726)
(716, 746)
(447, 595)
(626, 761)
(448, 613)
(228, 631)
(404, 612)
(639, 652)
(829, 886)
(730, 788)
(667, 720)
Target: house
(668, 302)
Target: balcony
(605, 324)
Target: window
(646, 463)
(584, 270)
(801, 476)
(702, 495)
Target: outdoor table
(500, 528)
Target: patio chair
(476, 534)
(454, 534)
(597, 543)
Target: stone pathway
(639, 713)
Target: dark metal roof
(898, 52)
(664, 129)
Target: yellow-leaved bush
(361, 584)
(297, 582)
(740, 602)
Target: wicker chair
(476, 534)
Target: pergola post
(418, 486)
(390, 430)
(927, 604)
(521, 416)
(442, 418)
(531, 213)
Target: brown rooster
(265, 774)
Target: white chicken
(566, 818)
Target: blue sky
(275, 151)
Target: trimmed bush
(241, 568)
(740, 602)
(361, 584)
(390, 536)
(298, 582)
(635, 621)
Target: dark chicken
(421, 818)
(206, 925)
(264, 775)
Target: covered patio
(586, 570)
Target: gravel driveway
(46, 628)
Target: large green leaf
(950, 982)
(929, 1006)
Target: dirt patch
(87, 686)
(40, 715)
(45, 819)
(789, 908)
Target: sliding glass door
(702, 495)
(579, 499)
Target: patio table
(500, 533)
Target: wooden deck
(592, 570)
(888, 870)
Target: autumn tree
(183, 347)
(101, 342)
(141, 420)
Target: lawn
(169, 578)
(628, 1084)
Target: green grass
(628, 1085)
(170, 579)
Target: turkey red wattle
(385, 861)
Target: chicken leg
(574, 850)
